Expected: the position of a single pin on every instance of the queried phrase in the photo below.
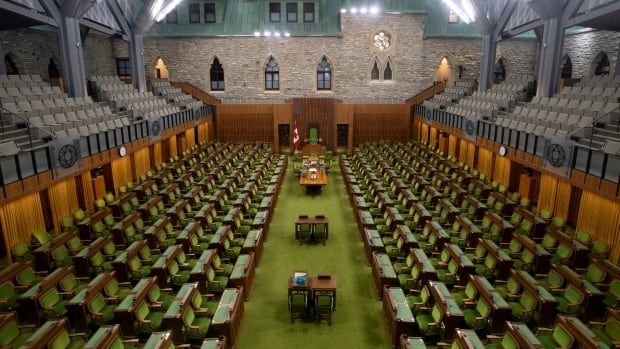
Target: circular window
(382, 40)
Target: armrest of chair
(67, 294)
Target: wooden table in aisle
(313, 173)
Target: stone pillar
(136, 56)
(549, 66)
(72, 57)
(487, 62)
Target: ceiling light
(363, 10)
(256, 33)
(374, 10)
(276, 34)
(353, 10)
(287, 34)
(267, 33)
(167, 10)
(344, 10)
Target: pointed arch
(160, 69)
(567, 68)
(216, 75)
(445, 71)
(388, 72)
(324, 75)
(501, 69)
(272, 74)
(375, 69)
(601, 65)
(12, 64)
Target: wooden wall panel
(63, 200)
(601, 218)
(247, 123)
(319, 112)
(453, 146)
(502, 170)
(282, 115)
(190, 138)
(485, 162)
(375, 122)
(142, 162)
(345, 116)
(121, 172)
(554, 195)
(172, 147)
(156, 156)
(20, 218)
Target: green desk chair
(297, 304)
(510, 290)
(205, 305)
(26, 279)
(571, 300)
(429, 324)
(524, 309)
(304, 232)
(99, 264)
(324, 305)
(64, 340)
(410, 281)
(594, 274)
(222, 267)
(553, 282)
(608, 332)
(525, 261)
(12, 335)
(21, 252)
(114, 293)
(612, 296)
(196, 327)
(562, 254)
(158, 299)
(466, 296)
(39, 238)
(216, 283)
(420, 300)
(448, 276)
(67, 224)
(403, 265)
(584, 237)
(52, 304)
(69, 286)
(177, 276)
(147, 321)
(600, 249)
(137, 270)
(320, 232)
(559, 337)
(101, 313)
(8, 296)
(476, 318)
(313, 136)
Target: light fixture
(344, 10)
(363, 10)
(267, 33)
(374, 10)
(256, 33)
(167, 10)
(277, 34)
(502, 151)
(452, 5)
(122, 151)
(353, 10)
(287, 34)
(469, 9)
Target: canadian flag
(295, 136)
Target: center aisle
(358, 320)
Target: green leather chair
(324, 306)
(297, 304)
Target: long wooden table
(306, 179)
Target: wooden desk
(312, 221)
(228, 314)
(383, 272)
(324, 284)
(397, 314)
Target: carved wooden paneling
(246, 123)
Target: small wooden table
(312, 165)
(323, 283)
(312, 221)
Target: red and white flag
(296, 136)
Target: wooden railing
(196, 92)
(428, 93)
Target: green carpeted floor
(357, 321)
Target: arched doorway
(567, 68)
(161, 69)
(52, 69)
(10, 63)
(445, 72)
(500, 70)
(601, 64)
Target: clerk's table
(313, 173)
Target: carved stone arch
(375, 75)
(501, 69)
(264, 73)
(12, 63)
(566, 68)
(387, 73)
(160, 68)
(212, 61)
(601, 64)
(316, 70)
(446, 71)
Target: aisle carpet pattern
(357, 321)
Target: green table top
(238, 272)
(403, 312)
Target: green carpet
(358, 319)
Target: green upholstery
(137, 270)
(562, 254)
(571, 300)
(177, 276)
(510, 290)
(100, 311)
(313, 136)
(69, 284)
(8, 296)
(66, 224)
(320, 232)
(79, 215)
(467, 295)
(217, 284)
(583, 237)
(12, 336)
(545, 214)
(26, 278)
(38, 238)
(61, 256)
(20, 252)
(559, 338)
(114, 293)
(51, 303)
(609, 332)
(222, 268)
(196, 327)
(304, 232)
(429, 323)
(613, 294)
(595, 274)
(324, 305)
(524, 309)
(600, 249)
(74, 245)
(297, 303)
(147, 321)
(476, 318)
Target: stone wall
(582, 48)
(521, 55)
(32, 50)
